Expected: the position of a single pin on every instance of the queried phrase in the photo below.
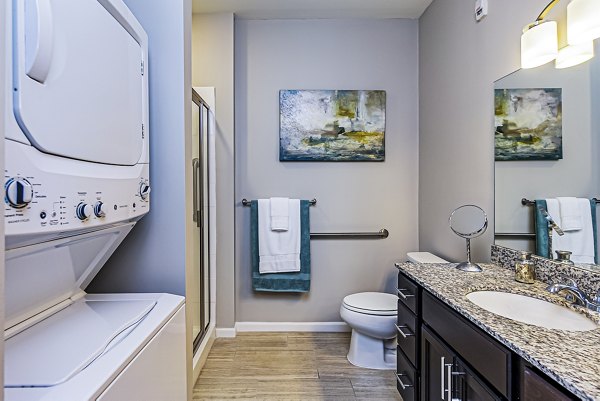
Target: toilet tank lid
(372, 301)
(424, 257)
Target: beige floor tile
(289, 367)
(376, 387)
(268, 390)
(266, 342)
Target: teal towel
(282, 282)
(541, 230)
(594, 229)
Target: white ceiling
(292, 9)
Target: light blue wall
(5, 27)
(152, 257)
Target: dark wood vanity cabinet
(444, 357)
(408, 327)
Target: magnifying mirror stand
(469, 266)
(468, 221)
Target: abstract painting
(332, 125)
(528, 124)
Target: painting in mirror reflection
(528, 124)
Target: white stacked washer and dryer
(76, 182)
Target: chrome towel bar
(246, 202)
(515, 235)
(381, 234)
(527, 202)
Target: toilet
(372, 317)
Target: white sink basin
(531, 311)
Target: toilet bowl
(372, 317)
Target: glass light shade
(572, 55)
(583, 21)
(539, 44)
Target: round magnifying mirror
(468, 221)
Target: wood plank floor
(289, 367)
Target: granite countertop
(571, 358)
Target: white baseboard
(330, 327)
(225, 332)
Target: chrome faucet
(574, 294)
(551, 225)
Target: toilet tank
(424, 257)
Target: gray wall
(459, 61)
(152, 257)
(327, 54)
(212, 65)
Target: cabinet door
(469, 387)
(446, 378)
(436, 369)
(535, 388)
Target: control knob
(144, 190)
(19, 192)
(83, 211)
(99, 209)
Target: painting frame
(346, 136)
(528, 124)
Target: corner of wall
(213, 35)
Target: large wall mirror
(547, 144)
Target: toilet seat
(372, 303)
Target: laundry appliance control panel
(56, 198)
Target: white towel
(279, 251)
(570, 213)
(580, 242)
(280, 215)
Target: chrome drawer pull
(403, 295)
(449, 366)
(402, 333)
(404, 386)
(442, 377)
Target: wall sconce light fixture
(583, 21)
(539, 41)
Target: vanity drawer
(490, 359)
(406, 377)
(407, 332)
(408, 293)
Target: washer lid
(372, 302)
(59, 347)
(40, 276)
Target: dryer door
(78, 79)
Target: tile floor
(289, 367)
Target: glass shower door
(199, 299)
